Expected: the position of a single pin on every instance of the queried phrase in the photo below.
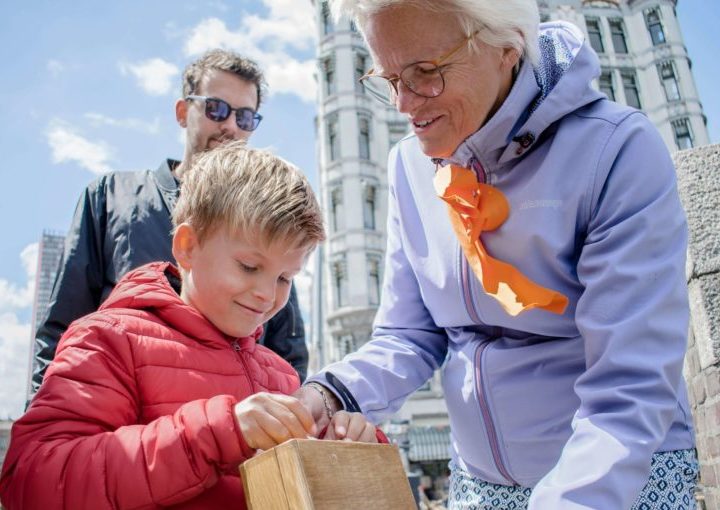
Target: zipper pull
(236, 345)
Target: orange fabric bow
(473, 208)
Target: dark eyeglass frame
(391, 98)
(241, 118)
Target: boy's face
(237, 281)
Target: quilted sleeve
(80, 446)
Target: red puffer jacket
(136, 411)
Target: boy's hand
(268, 419)
(351, 427)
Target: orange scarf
(474, 208)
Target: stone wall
(699, 183)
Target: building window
(327, 23)
(340, 282)
(353, 28)
(593, 26)
(373, 263)
(364, 137)
(618, 36)
(346, 345)
(606, 84)
(683, 135)
(669, 81)
(336, 208)
(652, 19)
(369, 192)
(632, 96)
(333, 138)
(328, 65)
(360, 68)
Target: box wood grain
(304, 474)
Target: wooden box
(304, 474)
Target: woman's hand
(351, 427)
(319, 401)
(268, 419)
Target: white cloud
(155, 76)
(292, 77)
(15, 344)
(13, 297)
(55, 67)
(15, 339)
(67, 145)
(289, 25)
(288, 21)
(98, 119)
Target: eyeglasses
(218, 110)
(423, 78)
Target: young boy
(154, 400)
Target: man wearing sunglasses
(123, 220)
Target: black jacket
(122, 221)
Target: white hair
(500, 23)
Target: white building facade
(644, 64)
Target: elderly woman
(536, 255)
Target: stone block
(704, 294)
(698, 390)
(707, 475)
(712, 381)
(698, 172)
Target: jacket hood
(559, 84)
(150, 288)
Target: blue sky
(89, 87)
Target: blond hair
(250, 191)
(499, 23)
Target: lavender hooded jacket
(573, 405)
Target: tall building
(644, 64)
(643, 59)
(49, 254)
(355, 134)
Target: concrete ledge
(698, 172)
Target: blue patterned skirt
(673, 477)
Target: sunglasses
(218, 110)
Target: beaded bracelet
(321, 390)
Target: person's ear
(510, 58)
(181, 110)
(184, 245)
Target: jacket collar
(150, 288)
(167, 183)
(541, 95)
(489, 142)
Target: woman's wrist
(330, 402)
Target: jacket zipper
(236, 347)
(465, 285)
(292, 322)
(481, 176)
(487, 419)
